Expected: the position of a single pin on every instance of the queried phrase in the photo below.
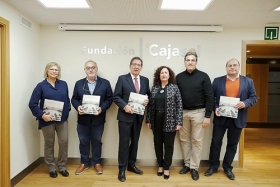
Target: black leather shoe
(210, 171)
(135, 170)
(229, 175)
(121, 176)
(53, 174)
(195, 175)
(64, 173)
(159, 173)
(184, 170)
(166, 177)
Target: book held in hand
(90, 104)
(136, 102)
(53, 108)
(227, 106)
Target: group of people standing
(182, 103)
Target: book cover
(53, 108)
(136, 102)
(90, 104)
(227, 106)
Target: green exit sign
(271, 33)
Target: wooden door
(4, 104)
(259, 74)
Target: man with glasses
(237, 86)
(197, 96)
(129, 123)
(90, 126)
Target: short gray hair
(232, 59)
(191, 53)
(90, 61)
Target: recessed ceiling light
(65, 3)
(277, 9)
(184, 4)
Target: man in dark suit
(91, 124)
(129, 123)
(230, 85)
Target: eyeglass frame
(56, 70)
(86, 82)
(90, 68)
(135, 64)
(233, 65)
(190, 60)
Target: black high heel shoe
(166, 177)
(159, 173)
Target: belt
(160, 111)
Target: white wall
(25, 71)
(66, 47)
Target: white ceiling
(228, 13)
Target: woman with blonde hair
(50, 104)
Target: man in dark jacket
(236, 86)
(91, 122)
(129, 123)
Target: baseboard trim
(26, 171)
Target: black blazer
(103, 89)
(122, 91)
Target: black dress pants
(233, 135)
(129, 134)
(163, 142)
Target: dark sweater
(196, 91)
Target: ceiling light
(184, 4)
(248, 51)
(277, 9)
(65, 3)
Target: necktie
(136, 85)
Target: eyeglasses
(90, 68)
(84, 87)
(134, 64)
(56, 70)
(190, 60)
(233, 65)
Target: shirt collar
(93, 82)
(233, 79)
(195, 70)
(132, 76)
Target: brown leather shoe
(81, 169)
(98, 168)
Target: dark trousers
(233, 135)
(90, 135)
(163, 142)
(128, 143)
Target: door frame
(243, 72)
(5, 104)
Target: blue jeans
(90, 135)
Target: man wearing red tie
(129, 123)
